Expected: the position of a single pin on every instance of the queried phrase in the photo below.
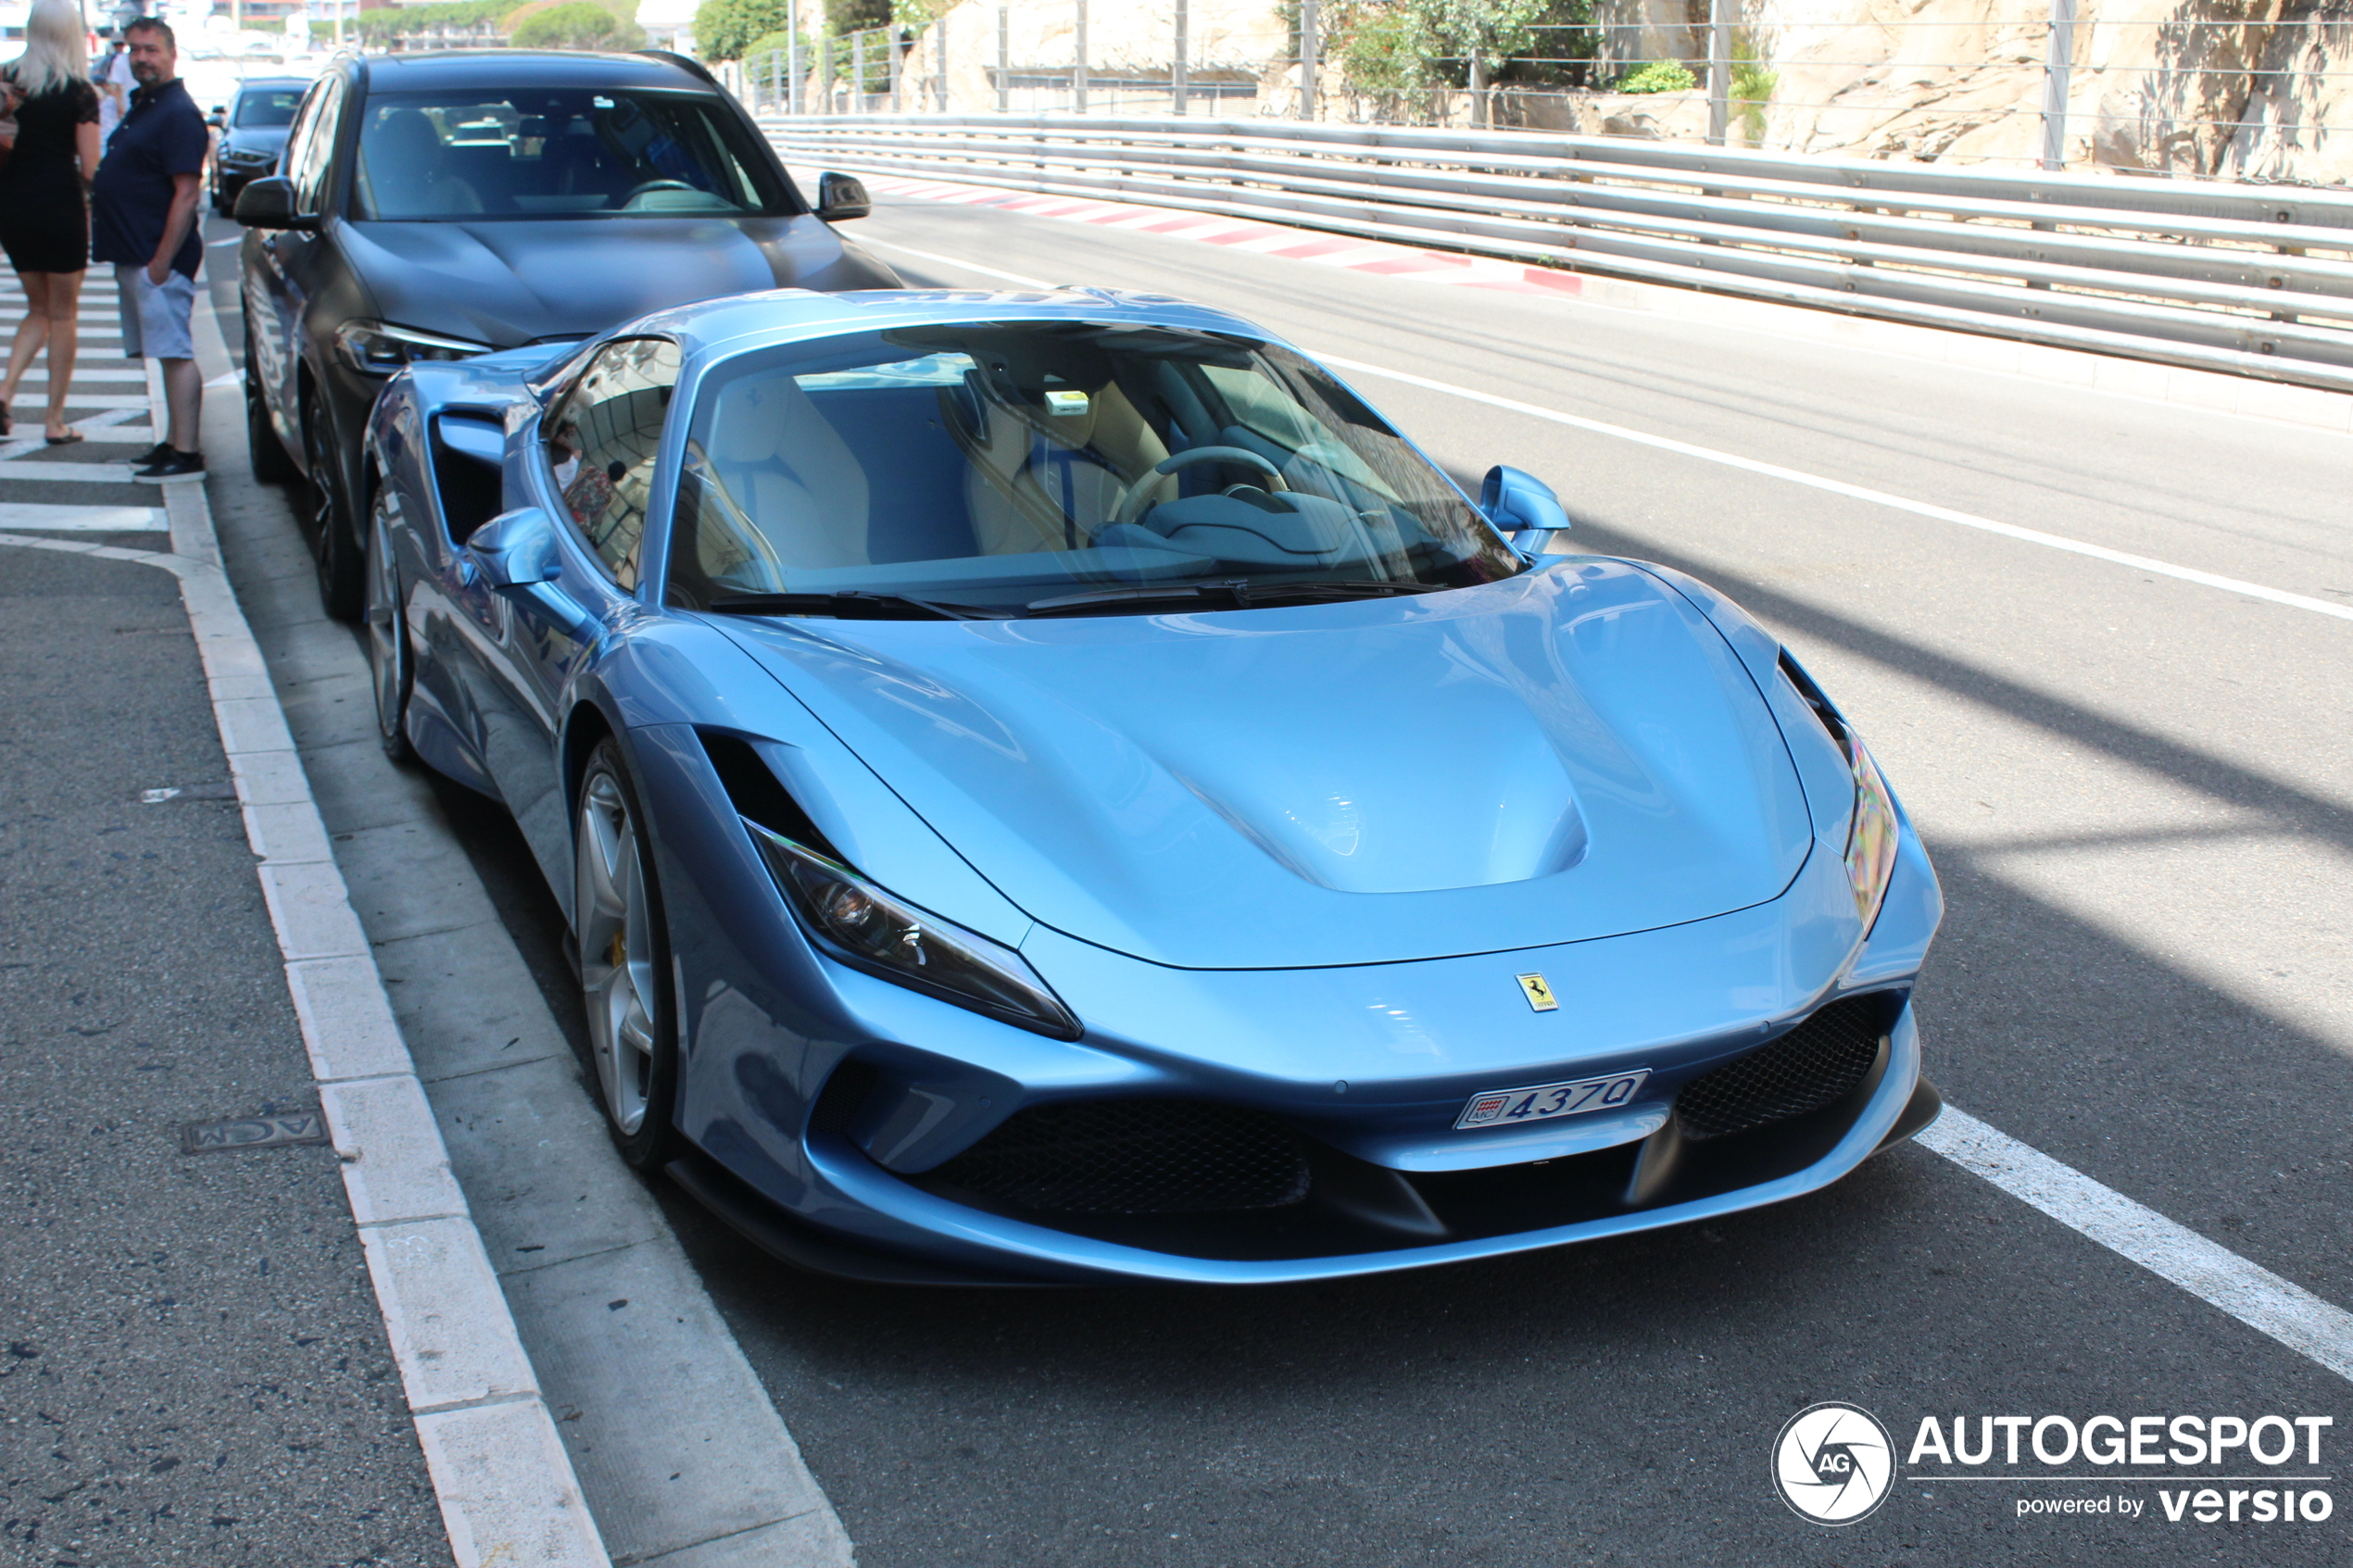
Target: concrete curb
(506, 1487)
(2211, 391)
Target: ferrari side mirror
(1523, 508)
(515, 549)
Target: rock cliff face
(2237, 88)
(2258, 89)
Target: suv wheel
(342, 579)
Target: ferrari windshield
(557, 153)
(1002, 464)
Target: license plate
(1541, 1102)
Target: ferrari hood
(1573, 753)
(512, 281)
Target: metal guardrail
(2256, 280)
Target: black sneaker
(173, 464)
(155, 454)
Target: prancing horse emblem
(1540, 996)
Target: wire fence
(2179, 95)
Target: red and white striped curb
(1265, 239)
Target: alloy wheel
(618, 972)
(388, 661)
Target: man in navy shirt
(143, 219)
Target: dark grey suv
(434, 207)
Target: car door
(279, 284)
(593, 459)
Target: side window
(312, 145)
(601, 447)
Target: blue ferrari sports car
(1052, 788)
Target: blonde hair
(57, 51)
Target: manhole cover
(253, 1132)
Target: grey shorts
(154, 315)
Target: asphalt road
(2137, 792)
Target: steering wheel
(1130, 507)
(655, 185)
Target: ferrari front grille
(1134, 1157)
(1802, 1070)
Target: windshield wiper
(1239, 593)
(852, 605)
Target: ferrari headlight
(872, 930)
(1870, 834)
(1870, 827)
(375, 348)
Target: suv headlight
(870, 929)
(375, 349)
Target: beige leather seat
(1015, 488)
(793, 478)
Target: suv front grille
(1134, 1157)
(1802, 1070)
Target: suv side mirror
(1523, 508)
(270, 204)
(841, 196)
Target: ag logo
(1833, 1464)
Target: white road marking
(102, 400)
(2213, 1273)
(70, 473)
(232, 239)
(82, 373)
(1772, 470)
(1857, 492)
(82, 520)
(952, 261)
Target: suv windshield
(1004, 465)
(266, 106)
(558, 153)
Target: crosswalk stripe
(82, 400)
(83, 520)
(69, 473)
(83, 373)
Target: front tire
(390, 670)
(341, 573)
(623, 950)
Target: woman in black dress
(44, 206)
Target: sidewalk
(195, 1369)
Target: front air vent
(1804, 1070)
(755, 791)
(1133, 1157)
(468, 453)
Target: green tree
(723, 29)
(1491, 30)
(576, 24)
